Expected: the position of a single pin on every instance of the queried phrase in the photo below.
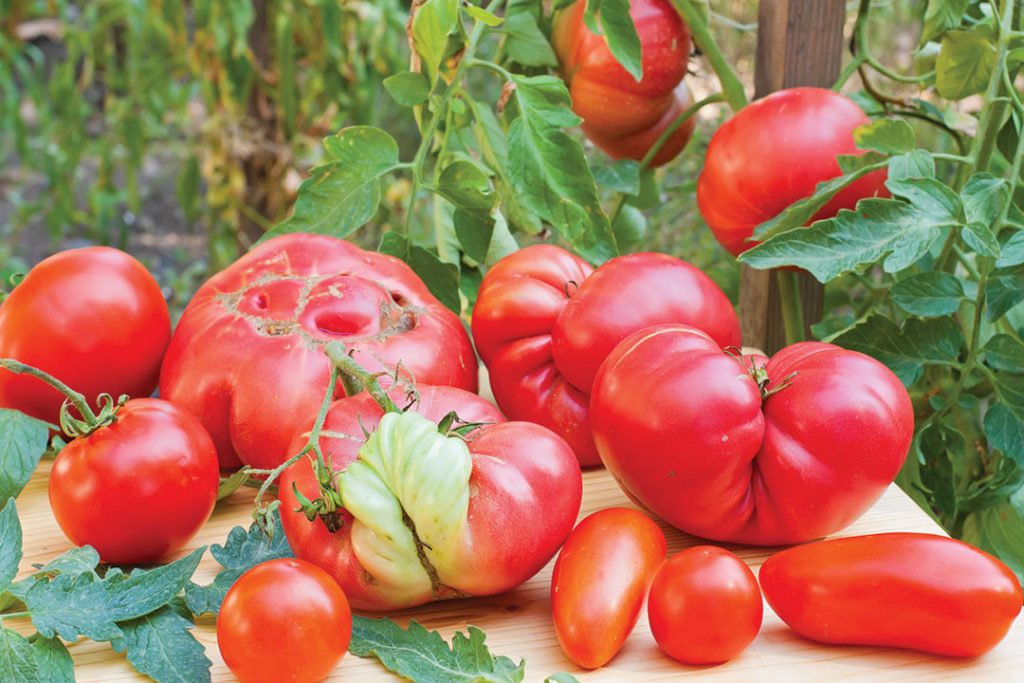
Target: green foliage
(23, 441)
(421, 655)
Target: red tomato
(620, 115)
(774, 152)
(524, 494)
(247, 356)
(796, 454)
(283, 620)
(705, 606)
(600, 580)
(94, 318)
(918, 591)
(545, 320)
(138, 488)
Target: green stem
(858, 57)
(792, 307)
(731, 84)
(76, 399)
(992, 115)
(620, 199)
(892, 75)
(356, 376)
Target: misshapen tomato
(620, 115)
(704, 606)
(138, 488)
(428, 516)
(793, 454)
(918, 591)
(545, 320)
(94, 318)
(283, 620)
(774, 152)
(247, 355)
(600, 580)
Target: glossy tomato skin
(683, 427)
(704, 606)
(94, 318)
(247, 356)
(137, 489)
(284, 621)
(525, 493)
(774, 152)
(544, 321)
(599, 582)
(620, 115)
(910, 590)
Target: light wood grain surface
(518, 624)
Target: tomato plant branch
(992, 115)
(73, 397)
(731, 84)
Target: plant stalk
(731, 84)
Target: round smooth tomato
(283, 620)
(729, 449)
(94, 318)
(247, 356)
(919, 591)
(545, 320)
(704, 606)
(774, 152)
(600, 580)
(621, 115)
(479, 513)
(138, 488)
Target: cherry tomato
(918, 591)
(774, 152)
(620, 115)
(138, 488)
(704, 606)
(283, 620)
(94, 318)
(784, 453)
(600, 580)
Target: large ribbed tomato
(620, 115)
(781, 454)
(94, 318)
(774, 152)
(545, 320)
(247, 356)
(428, 515)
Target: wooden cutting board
(518, 624)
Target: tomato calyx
(759, 373)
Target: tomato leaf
(928, 294)
(480, 14)
(941, 16)
(441, 278)
(70, 606)
(889, 136)
(344, 192)
(965, 64)
(408, 88)
(17, 659)
(619, 33)
(53, 661)
(1010, 388)
(525, 42)
(10, 544)
(434, 21)
(999, 529)
(905, 351)
(22, 443)
(1004, 430)
(1004, 291)
(916, 164)
(1004, 352)
(984, 197)
(896, 232)
(422, 655)
(980, 238)
(161, 646)
(561, 677)
(243, 550)
(620, 176)
(548, 167)
(1012, 252)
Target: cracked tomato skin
(525, 493)
(247, 356)
(919, 591)
(774, 152)
(545, 320)
(620, 115)
(138, 488)
(94, 318)
(683, 427)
